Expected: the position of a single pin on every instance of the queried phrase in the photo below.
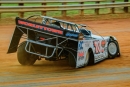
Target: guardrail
(63, 6)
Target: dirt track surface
(108, 73)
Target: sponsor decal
(68, 34)
(99, 56)
(41, 38)
(80, 47)
(40, 27)
(87, 43)
(103, 43)
(80, 55)
(98, 48)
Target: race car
(55, 39)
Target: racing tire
(113, 49)
(23, 57)
(71, 59)
(87, 58)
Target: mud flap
(15, 40)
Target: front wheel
(25, 58)
(113, 49)
(87, 58)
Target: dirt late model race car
(55, 39)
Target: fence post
(126, 8)
(64, 11)
(113, 9)
(21, 14)
(81, 11)
(44, 12)
(97, 10)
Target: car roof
(59, 20)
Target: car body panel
(98, 46)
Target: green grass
(59, 13)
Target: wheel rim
(87, 58)
(112, 48)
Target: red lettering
(37, 26)
(45, 28)
(30, 25)
(40, 27)
(53, 30)
(22, 22)
(60, 32)
(81, 54)
(48, 29)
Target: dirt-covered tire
(113, 49)
(71, 60)
(87, 58)
(23, 57)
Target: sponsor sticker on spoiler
(68, 34)
(40, 27)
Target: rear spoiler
(22, 24)
(46, 28)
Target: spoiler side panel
(15, 40)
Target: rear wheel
(113, 49)
(72, 61)
(25, 58)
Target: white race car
(55, 39)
